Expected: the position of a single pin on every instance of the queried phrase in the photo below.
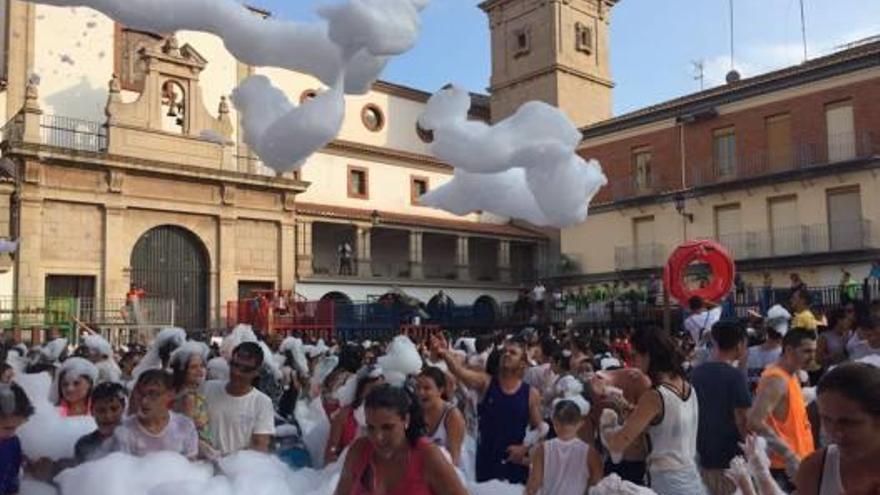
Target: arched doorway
(171, 262)
(343, 311)
(485, 310)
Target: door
(170, 262)
(841, 132)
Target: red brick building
(782, 168)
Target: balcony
(395, 253)
(802, 240)
(632, 186)
(800, 156)
(73, 134)
(639, 256)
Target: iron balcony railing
(801, 155)
(73, 134)
(801, 240)
(635, 185)
(639, 256)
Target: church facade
(124, 166)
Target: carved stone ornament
(32, 172)
(289, 201)
(228, 194)
(115, 180)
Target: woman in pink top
(395, 458)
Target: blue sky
(653, 42)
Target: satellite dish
(732, 77)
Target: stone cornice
(50, 154)
(341, 146)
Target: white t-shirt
(699, 324)
(758, 359)
(178, 436)
(857, 348)
(234, 420)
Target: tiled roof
(389, 218)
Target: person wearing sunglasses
(241, 417)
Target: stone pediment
(170, 112)
(190, 53)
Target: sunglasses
(244, 368)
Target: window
(728, 226)
(522, 42)
(425, 135)
(358, 185)
(779, 148)
(307, 95)
(841, 131)
(372, 117)
(583, 38)
(417, 187)
(724, 152)
(785, 230)
(641, 159)
(845, 225)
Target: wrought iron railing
(634, 186)
(801, 155)
(73, 134)
(639, 256)
(801, 240)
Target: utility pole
(803, 29)
(699, 72)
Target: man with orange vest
(780, 413)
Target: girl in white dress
(565, 465)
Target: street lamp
(374, 217)
(679, 207)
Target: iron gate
(170, 262)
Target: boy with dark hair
(154, 427)
(724, 399)
(108, 406)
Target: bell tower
(554, 51)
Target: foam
(524, 167)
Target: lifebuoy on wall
(709, 252)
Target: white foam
(524, 167)
(401, 359)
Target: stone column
(364, 252)
(29, 283)
(116, 278)
(304, 265)
(287, 256)
(462, 258)
(227, 276)
(416, 267)
(504, 260)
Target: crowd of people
(779, 403)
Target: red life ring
(709, 252)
